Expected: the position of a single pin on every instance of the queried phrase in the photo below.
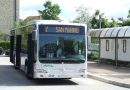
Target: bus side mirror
(34, 37)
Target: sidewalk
(108, 73)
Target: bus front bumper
(46, 75)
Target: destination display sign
(61, 29)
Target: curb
(96, 77)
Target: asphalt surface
(16, 80)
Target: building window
(124, 46)
(107, 45)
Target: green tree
(50, 11)
(128, 14)
(25, 27)
(97, 13)
(113, 23)
(83, 16)
(20, 23)
(126, 22)
(3, 36)
(95, 20)
(98, 21)
(105, 23)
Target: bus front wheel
(27, 74)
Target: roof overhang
(110, 32)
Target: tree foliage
(50, 11)
(128, 14)
(20, 23)
(98, 20)
(94, 21)
(83, 16)
(113, 23)
(97, 13)
(126, 23)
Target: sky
(110, 8)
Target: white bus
(49, 49)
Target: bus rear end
(61, 51)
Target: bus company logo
(46, 65)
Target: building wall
(9, 13)
(124, 56)
(107, 54)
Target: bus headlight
(41, 71)
(81, 70)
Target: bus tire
(16, 68)
(27, 74)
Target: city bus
(50, 49)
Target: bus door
(18, 50)
(30, 61)
(12, 57)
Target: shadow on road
(11, 77)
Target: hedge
(5, 45)
(93, 56)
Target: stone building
(9, 13)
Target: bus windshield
(62, 48)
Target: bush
(1, 50)
(5, 45)
(89, 56)
(7, 52)
(93, 56)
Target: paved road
(16, 80)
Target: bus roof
(50, 22)
(54, 22)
